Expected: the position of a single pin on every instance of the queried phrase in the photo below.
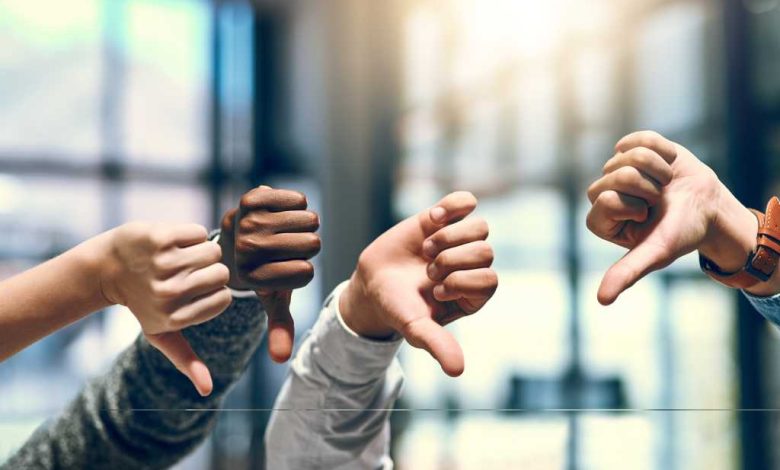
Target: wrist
(358, 314)
(731, 236)
(100, 264)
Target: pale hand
(661, 202)
(171, 278)
(425, 272)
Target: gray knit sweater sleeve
(143, 413)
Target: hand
(659, 201)
(170, 277)
(427, 271)
(267, 242)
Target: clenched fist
(171, 278)
(429, 270)
(661, 202)
(267, 242)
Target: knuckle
(247, 224)
(249, 200)
(607, 198)
(490, 279)
(307, 270)
(486, 252)
(314, 219)
(159, 236)
(315, 245)
(224, 298)
(166, 290)
(227, 219)
(626, 175)
(300, 198)
(223, 274)
(215, 252)
(248, 244)
(176, 322)
(482, 227)
(443, 260)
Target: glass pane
(50, 79)
(167, 74)
(670, 68)
(168, 203)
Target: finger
(176, 348)
(452, 208)
(645, 160)
(472, 255)
(279, 247)
(627, 180)
(273, 200)
(294, 221)
(636, 264)
(427, 334)
(281, 327)
(190, 258)
(204, 281)
(279, 275)
(189, 234)
(265, 223)
(473, 284)
(651, 140)
(201, 309)
(228, 220)
(612, 210)
(467, 230)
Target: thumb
(175, 347)
(281, 327)
(636, 264)
(427, 334)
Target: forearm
(144, 413)
(334, 407)
(52, 295)
(733, 238)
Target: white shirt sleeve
(333, 409)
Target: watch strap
(760, 264)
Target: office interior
(118, 110)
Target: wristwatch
(762, 263)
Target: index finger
(185, 235)
(451, 208)
(273, 200)
(651, 140)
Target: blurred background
(113, 110)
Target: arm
(143, 413)
(168, 275)
(660, 202)
(333, 409)
(425, 272)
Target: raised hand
(659, 201)
(425, 272)
(171, 278)
(267, 242)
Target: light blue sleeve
(333, 409)
(769, 307)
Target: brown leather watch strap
(760, 265)
(764, 263)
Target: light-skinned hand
(171, 278)
(429, 270)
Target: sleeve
(333, 409)
(769, 307)
(143, 413)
